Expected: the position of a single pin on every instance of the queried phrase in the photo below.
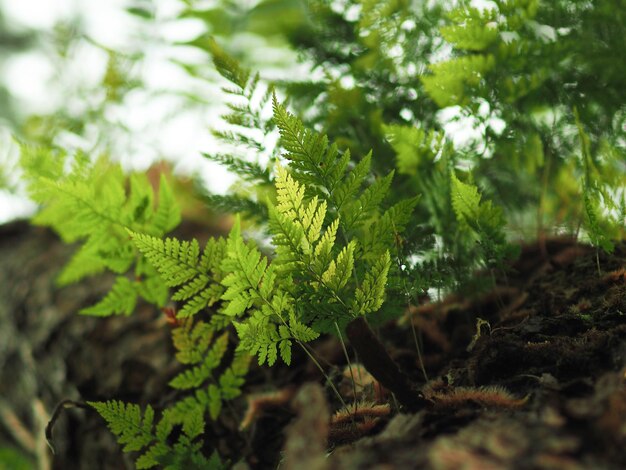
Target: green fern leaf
(132, 430)
(191, 341)
(414, 147)
(367, 204)
(312, 160)
(473, 29)
(383, 232)
(136, 432)
(593, 216)
(340, 270)
(167, 215)
(102, 209)
(180, 265)
(370, 296)
(259, 337)
(248, 171)
(296, 226)
(231, 381)
(481, 219)
(300, 331)
(215, 401)
(347, 189)
(323, 249)
(455, 81)
(246, 269)
(151, 458)
(121, 299)
(194, 377)
(465, 201)
(228, 67)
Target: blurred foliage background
(132, 79)
(491, 88)
(495, 87)
(526, 99)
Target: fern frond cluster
(331, 259)
(94, 204)
(200, 281)
(349, 191)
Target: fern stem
(345, 352)
(321, 369)
(377, 361)
(419, 350)
(408, 306)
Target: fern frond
(195, 346)
(414, 147)
(296, 226)
(103, 202)
(370, 295)
(232, 379)
(382, 232)
(465, 201)
(472, 29)
(197, 278)
(191, 340)
(136, 432)
(132, 430)
(247, 132)
(453, 82)
(195, 376)
(600, 227)
(323, 249)
(258, 336)
(482, 219)
(234, 204)
(368, 202)
(248, 171)
(167, 215)
(347, 189)
(311, 158)
(121, 299)
(300, 331)
(340, 270)
(246, 267)
(228, 67)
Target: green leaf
(370, 296)
(180, 265)
(340, 270)
(465, 201)
(195, 376)
(132, 429)
(120, 300)
(167, 216)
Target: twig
(55, 415)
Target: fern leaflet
(197, 278)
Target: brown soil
(541, 385)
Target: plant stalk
(383, 368)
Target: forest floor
(531, 374)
